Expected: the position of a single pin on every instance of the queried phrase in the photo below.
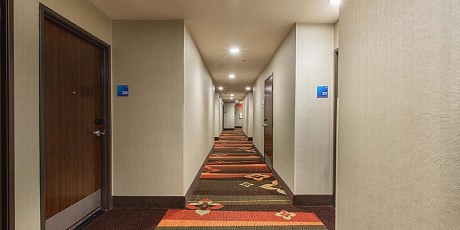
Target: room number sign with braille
(122, 90)
(322, 91)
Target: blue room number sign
(322, 91)
(122, 90)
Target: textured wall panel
(148, 125)
(336, 34)
(283, 66)
(217, 120)
(258, 96)
(248, 114)
(250, 108)
(399, 90)
(314, 116)
(245, 114)
(198, 110)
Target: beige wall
(26, 94)
(245, 115)
(314, 116)
(336, 34)
(303, 124)
(283, 66)
(221, 115)
(250, 109)
(198, 111)
(258, 97)
(217, 115)
(248, 115)
(399, 140)
(147, 125)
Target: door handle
(265, 125)
(99, 133)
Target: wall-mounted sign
(122, 90)
(322, 91)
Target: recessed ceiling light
(231, 76)
(335, 2)
(220, 88)
(232, 95)
(234, 50)
(248, 88)
(231, 98)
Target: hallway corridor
(236, 190)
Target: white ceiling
(257, 27)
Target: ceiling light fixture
(248, 88)
(232, 95)
(335, 2)
(231, 76)
(220, 88)
(231, 98)
(234, 50)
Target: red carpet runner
(237, 191)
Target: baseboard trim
(249, 138)
(303, 200)
(194, 184)
(229, 129)
(269, 162)
(72, 216)
(258, 152)
(283, 184)
(300, 200)
(313, 200)
(149, 202)
(239, 127)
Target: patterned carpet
(237, 191)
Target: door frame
(7, 116)
(335, 125)
(223, 116)
(270, 166)
(106, 190)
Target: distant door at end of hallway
(238, 115)
(268, 122)
(72, 126)
(229, 115)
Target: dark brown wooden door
(268, 122)
(72, 103)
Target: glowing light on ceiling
(234, 50)
(335, 2)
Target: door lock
(99, 133)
